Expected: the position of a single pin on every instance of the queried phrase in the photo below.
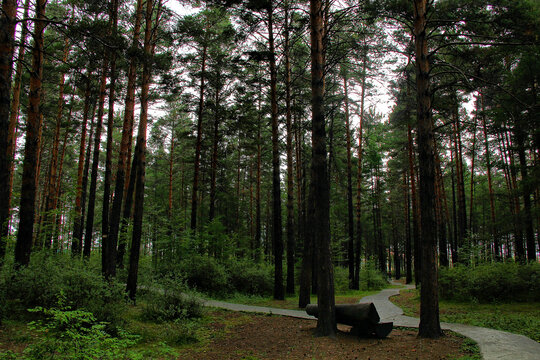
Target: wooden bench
(363, 318)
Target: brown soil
(248, 336)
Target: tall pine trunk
(493, 226)
(33, 142)
(277, 231)
(326, 322)
(122, 169)
(358, 250)
(7, 34)
(198, 143)
(109, 256)
(429, 302)
(149, 48)
(76, 245)
(13, 122)
(350, 211)
(291, 240)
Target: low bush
(371, 278)
(74, 334)
(205, 274)
(47, 276)
(170, 302)
(248, 278)
(496, 282)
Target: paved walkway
(494, 344)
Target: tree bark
(494, 232)
(350, 215)
(149, 49)
(86, 248)
(277, 232)
(358, 246)
(76, 245)
(33, 141)
(408, 247)
(326, 322)
(13, 122)
(50, 188)
(88, 237)
(429, 302)
(291, 240)
(109, 256)
(122, 169)
(198, 143)
(214, 161)
(7, 34)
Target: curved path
(494, 344)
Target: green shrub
(205, 274)
(47, 276)
(249, 278)
(371, 278)
(74, 334)
(170, 302)
(496, 282)
(341, 279)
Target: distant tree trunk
(513, 189)
(50, 187)
(304, 297)
(441, 223)
(473, 158)
(350, 221)
(198, 143)
(291, 241)
(32, 145)
(258, 187)
(58, 187)
(109, 256)
(214, 161)
(123, 168)
(415, 213)
(429, 302)
(408, 247)
(87, 244)
(277, 232)
(76, 245)
(12, 127)
(149, 48)
(496, 245)
(461, 209)
(395, 247)
(525, 187)
(454, 244)
(7, 33)
(358, 251)
(326, 322)
(88, 237)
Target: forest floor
(236, 335)
(223, 334)
(519, 318)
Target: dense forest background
(182, 133)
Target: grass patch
(291, 302)
(519, 318)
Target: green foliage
(371, 278)
(170, 302)
(248, 278)
(497, 282)
(47, 276)
(205, 274)
(219, 278)
(74, 334)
